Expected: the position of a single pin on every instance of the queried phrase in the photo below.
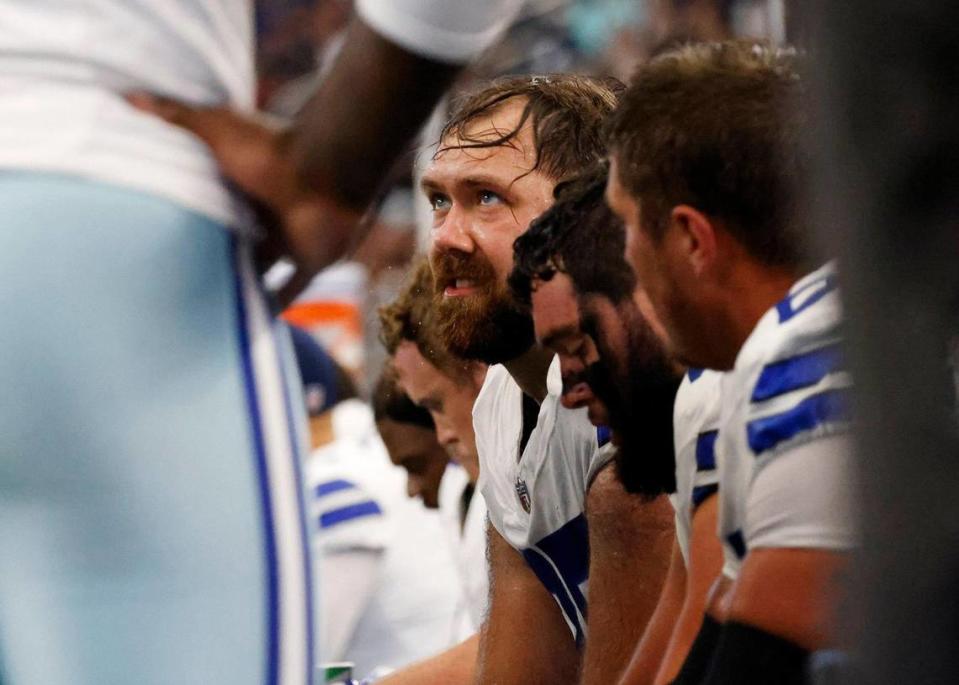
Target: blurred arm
(705, 565)
(455, 666)
(349, 581)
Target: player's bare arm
(525, 638)
(630, 543)
(803, 615)
(455, 666)
(649, 653)
(310, 177)
(705, 565)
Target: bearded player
(706, 168)
(570, 267)
(558, 515)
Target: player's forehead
(418, 376)
(556, 315)
(458, 158)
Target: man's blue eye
(439, 202)
(488, 197)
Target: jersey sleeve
(797, 422)
(347, 516)
(452, 31)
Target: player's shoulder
(497, 398)
(698, 398)
(349, 496)
(791, 372)
(808, 318)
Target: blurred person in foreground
(446, 387)
(571, 269)
(169, 485)
(559, 518)
(379, 609)
(706, 170)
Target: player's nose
(454, 233)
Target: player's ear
(695, 235)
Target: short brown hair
(567, 113)
(411, 317)
(717, 126)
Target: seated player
(379, 609)
(447, 388)
(706, 168)
(559, 518)
(570, 267)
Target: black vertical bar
(885, 197)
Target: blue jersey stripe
(331, 486)
(348, 513)
(694, 374)
(736, 541)
(786, 307)
(702, 492)
(568, 550)
(797, 372)
(706, 451)
(272, 571)
(553, 583)
(825, 407)
(603, 435)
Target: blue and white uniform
(695, 429)
(466, 535)
(390, 587)
(151, 511)
(536, 499)
(786, 476)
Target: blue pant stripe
(298, 459)
(272, 665)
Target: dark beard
(640, 401)
(489, 326)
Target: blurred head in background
(325, 383)
(434, 379)
(499, 158)
(410, 438)
(571, 271)
(706, 169)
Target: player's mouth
(460, 287)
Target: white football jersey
(785, 462)
(536, 499)
(360, 503)
(467, 540)
(695, 429)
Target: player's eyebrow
(431, 402)
(431, 184)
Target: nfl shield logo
(523, 492)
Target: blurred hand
(302, 224)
